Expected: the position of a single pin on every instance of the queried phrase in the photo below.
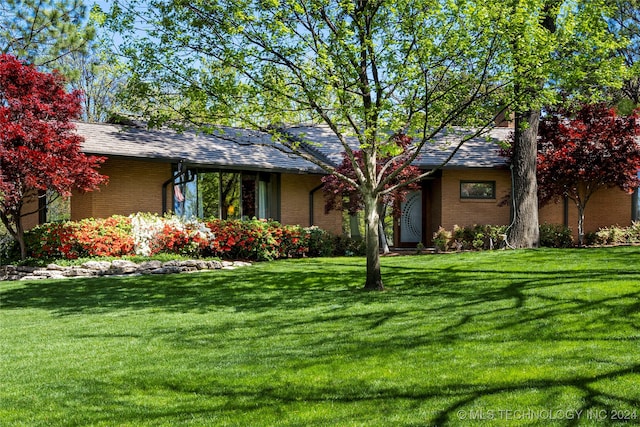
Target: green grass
(512, 337)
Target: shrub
(556, 236)
(147, 234)
(477, 237)
(346, 246)
(610, 236)
(237, 239)
(265, 240)
(442, 239)
(320, 242)
(484, 237)
(616, 235)
(88, 237)
(153, 234)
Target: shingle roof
(252, 150)
(236, 148)
(480, 151)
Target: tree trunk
(580, 224)
(383, 237)
(524, 232)
(16, 230)
(21, 243)
(372, 219)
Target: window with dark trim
(52, 207)
(227, 195)
(482, 190)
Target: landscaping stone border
(113, 268)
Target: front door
(411, 219)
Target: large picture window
(477, 190)
(226, 195)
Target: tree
(625, 23)
(98, 73)
(367, 69)
(39, 150)
(99, 79)
(337, 191)
(43, 31)
(554, 46)
(583, 153)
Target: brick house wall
(467, 212)
(32, 220)
(294, 195)
(606, 207)
(134, 186)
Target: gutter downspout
(311, 193)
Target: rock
(149, 265)
(241, 264)
(97, 265)
(214, 265)
(121, 266)
(45, 273)
(79, 272)
(189, 263)
(170, 269)
(117, 267)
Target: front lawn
(540, 337)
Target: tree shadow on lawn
(255, 288)
(426, 308)
(260, 288)
(473, 293)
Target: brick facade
(295, 191)
(604, 209)
(134, 186)
(446, 208)
(30, 221)
(466, 212)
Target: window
(53, 207)
(477, 189)
(227, 195)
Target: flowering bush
(146, 229)
(153, 234)
(257, 239)
(149, 234)
(89, 237)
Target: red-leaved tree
(581, 153)
(340, 195)
(39, 149)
